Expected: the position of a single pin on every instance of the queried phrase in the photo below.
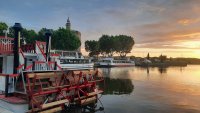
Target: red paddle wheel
(52, 91)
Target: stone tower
(68, 24)
(77, 33)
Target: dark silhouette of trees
(62, 38)
(29, 35)
(162, 58)
(148, 56)
(108, 45)
(123, 44)
(41, 34)
(3, 26)
(92, 47)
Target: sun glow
(190, 44)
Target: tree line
(62, 39)
(109, 45)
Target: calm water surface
(152, 90)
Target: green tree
(29, 35)
(3, 26)
(123, 44)
(64, 39)
(11, 32)
(41, 34)
(92, 47)
(106, 45)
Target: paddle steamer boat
(34, 79)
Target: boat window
(1, 64)
(71, 61)
(107, 61)
(74, 61)
(79, 55)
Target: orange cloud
(196, 34)
(188, 21)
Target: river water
(152, 90)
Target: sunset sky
(169, 27)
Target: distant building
(78, 33)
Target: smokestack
(17, 29)
(48, 43)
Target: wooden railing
(6, 45)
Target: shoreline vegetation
(155, 62)
(166, 64)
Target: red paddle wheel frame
(56, 89)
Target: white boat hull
(77, 66)
(116, 64)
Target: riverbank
(164, 64)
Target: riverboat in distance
(32, 80)
(111, 62)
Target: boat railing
(28, 48)
(75, 61)
(42, 66)
(65, 53)
(6, 45)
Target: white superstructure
(71, 60)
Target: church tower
(68, 24)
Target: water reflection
(92, 108)
(118, 86)
(156, 90)
(116, 72)
(117, 81)
(162, 70)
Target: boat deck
(2, 110)
(12, 99)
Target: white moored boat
(71, 60)
(111, 62)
